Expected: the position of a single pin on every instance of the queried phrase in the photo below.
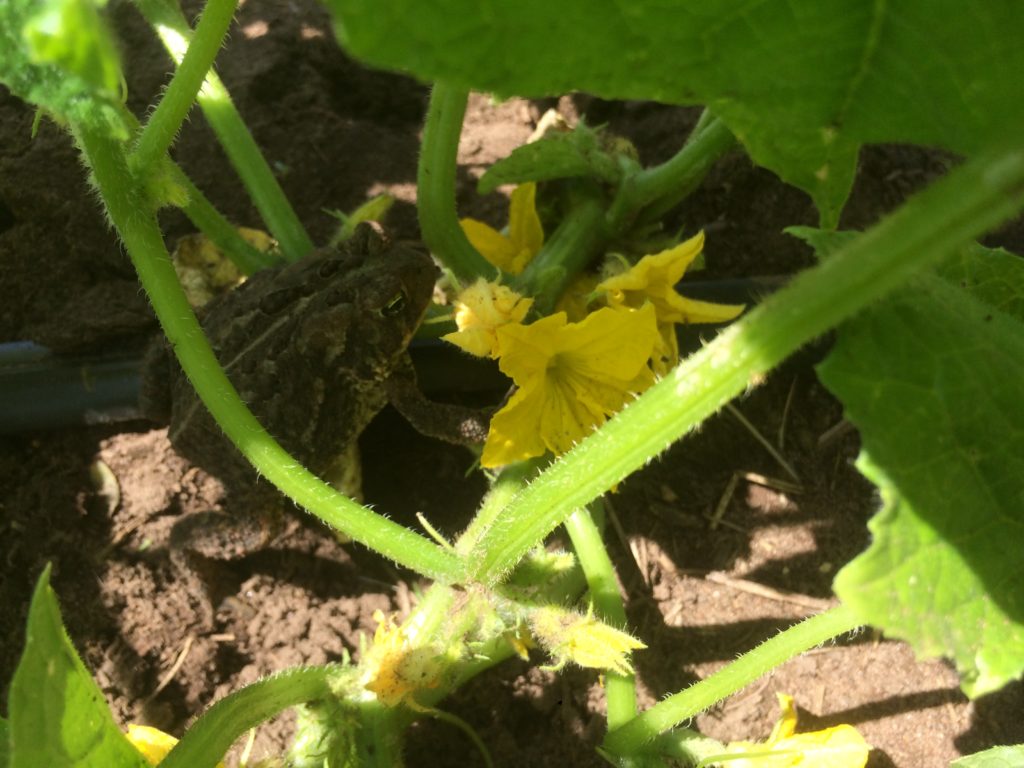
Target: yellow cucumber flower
(838, 747)
(153, 744)
(480, 310)
(571, 378)
(525, 235)
(654, 278)
(396, 670)
(583, 640)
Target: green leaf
(556, 156)
(5, 743)
(61, 56)
(71, 34)
(992, 275)
(802, 84)
(934, 380)
(997, 757)
(59, 718)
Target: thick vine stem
(210, 222)
(631, 737)
(213, 734)
(143, 240)
(165, 121)
(667, 184)
(604, 591)
(258, 179)
(439, 222)
(971, 200)
(574, 244)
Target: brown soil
(699, 592)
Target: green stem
(511, 481)
(144, 242)
(165, 121)
(439, 222)
(667, 184)
(245, 156)
(222, 234)
(632, 736)
(579, 237)
(213, 734)
(604, 591)
(951, 213)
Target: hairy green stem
(951, 213)
(632, 736)
(143, 240)
(220, 112)
(209, 221)
(165, 121)
(439, 221)
(579, 237)
(213, 734)
(504, 487)
(604, 591)
(667, 184)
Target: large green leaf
(801, 83)
(58, 717)
(934, 380)
(61, 56)
(997, 757)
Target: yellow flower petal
(664, 268)
(395, 669)
(535, 420)
(654, 278)
(666, 351)
(524, 228)
(584, 640)
(480, 310)
(493, 245)
(153, 744)
(571, 377)
(676, 308)
(838, 747)
(785, 726)
(525, 235)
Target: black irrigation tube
(41, 390)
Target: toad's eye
(394, 306)
(328, 269)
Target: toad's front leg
(201, 544)
(452, 423)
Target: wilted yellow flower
(479, 311)
(583, 640)
(571, 377)
(525, 235)
(654, 278)
(153, 744)
(396, 670)
(838, 747)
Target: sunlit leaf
(58, 717)
(997, 757)
(60, 55)
(934, 380)
(802, 84)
